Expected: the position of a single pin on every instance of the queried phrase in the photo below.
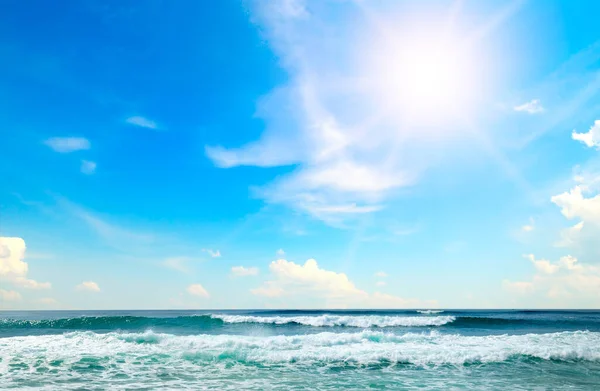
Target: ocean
(300, 350)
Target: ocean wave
(429, 312)
(116, 350)
(341, 320)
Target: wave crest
(341, 320)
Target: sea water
(299, 350)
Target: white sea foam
(429, 312)
(366, 347)
(365, 321)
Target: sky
(299, 154)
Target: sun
(423, 77)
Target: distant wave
(429, 312)
(210, 321)
(342, 320)
(118, 350)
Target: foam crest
(341, 320)
(363, 348)
(429, 312)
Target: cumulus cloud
(197, 290)
(89, 286)
(13, 269)
(293, 280)
(141, 122)
(574, 204)
(566, 278)
(542, 265)
(9, 295)
(591, 138)
(569, 236)
(280, 252)
(88, 167)
(212, 253)
(241, 271)
(68, 144)
(534, 106)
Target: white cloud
(9, 295)
(294, 281)
(381, 274)
(529, 227)
(88, 167)
(542, 265)
(212, 253)
(534, 106)
(574, 204)
(89, 286)
(12, 267)
(591, 138)
(280, 252)
(177, 263)
(565, 279)
(68, 144)
(241, 271)
(197, 290)
(570, 235)
(381, 283)
(142, 122)
(342, 123)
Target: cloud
(565, 279)
(381, 274)
(529, 227)
(68, 144)
(142, 122)
(177, 263)
(532, 107)
(12, 267)
(280, 252)
(570, 235)
(574, 204)
(88, 167)
(381, 283)
(542, 265)
(9, 295)
(89, 286)
(212, 253)
(291, 280)
(197, 290)
(591, 138)
(241, 271)
(339, 122)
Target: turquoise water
(289, 350)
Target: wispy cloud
(68, 144)
(241, 271)
(88, 167)
(142, 122)
(212, 253)
(532, 107)
(336, 121)
(381, 274)
(529, 227)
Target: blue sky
(296, 154)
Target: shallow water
(284, 350)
